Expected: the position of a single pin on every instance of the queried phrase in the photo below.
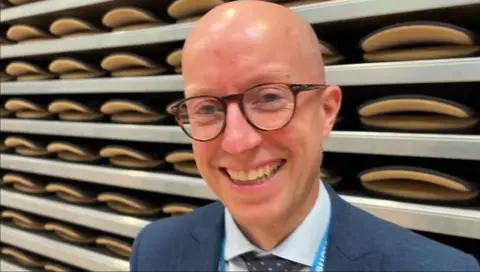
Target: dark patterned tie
(269, 263)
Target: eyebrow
(269, 74)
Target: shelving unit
(409, 72)
(67, 253)
(454, 221)
(89, 217)
(407, 144)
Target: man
(258, 111)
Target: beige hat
(126, 157)
(115, 245)
(183, 9)
(27, 259)
(73, 152)
(131, 111)
(175, 57)
(27, 147)
(27, 33)
(129, 204)
(23, 220)
(72, 27)
(416, 112)
(178, 209)
(330, 53)
(130, 18)
(70, 110)
(130, 65)
(26, 71)
(71, 193)
(417, 184)
(27, 109)
(69, 68)
(329, 176)
(25, 183)
(418, 40)
(71, 233)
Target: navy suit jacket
(358, 241)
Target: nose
(239, 136)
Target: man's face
(232, 66)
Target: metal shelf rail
(109, 222)
(330, 11)
(380, 143)
(452, 221)
(405, 72)
(60, 251)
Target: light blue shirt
(300, 247)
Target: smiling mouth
(254, 176)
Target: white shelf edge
(43, 7)
(445, 220)
(109, 222)
(133, 179)
(329, 11)
(6, 266)
(359, 74)
(67, 253)
(436, 219)
(380, 143)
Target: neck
(267, 237)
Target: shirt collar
(301, 246)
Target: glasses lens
(201, 117)
(270, 106)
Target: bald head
(232, 34)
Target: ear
(332, 100)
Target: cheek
(204, 155)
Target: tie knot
(267, 263)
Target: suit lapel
(200, 251)
(351, 244)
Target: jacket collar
(350, 246)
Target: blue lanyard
(318, 262)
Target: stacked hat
(70, 68)
(72, 110)
(130, 18)
(73, 27)
(417, 184)
(183, 161)
(191, 10)
(416, 113)
(419, 40)
(131, 65)
(28, 71)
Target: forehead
(232, 64)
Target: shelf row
(456, 221)
(315, 13)
(60, 251)
(378, 143)
(405, 72)
(123, 225)
(332, 11)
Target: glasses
(266, 107)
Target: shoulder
(156, 242)
(402, 249)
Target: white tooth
(267, 170)
(252, 175)
(242, 175)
